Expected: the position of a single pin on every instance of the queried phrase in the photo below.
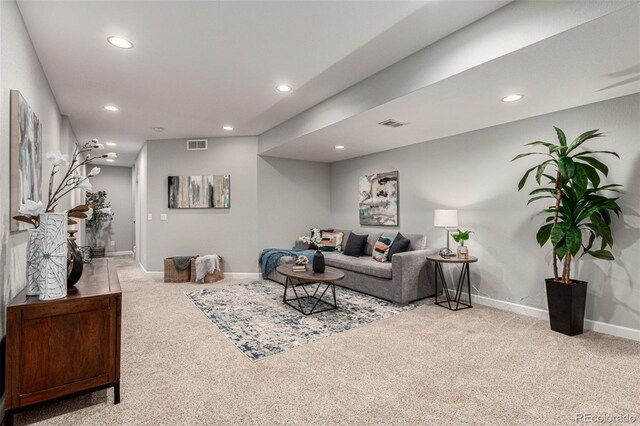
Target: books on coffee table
(299, 268)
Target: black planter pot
(318, 262)
(566, 306)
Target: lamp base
(445, 252)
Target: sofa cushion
(418, 241)
(400, 244)
(332, 239)
(355, 245)
(381, 249)
(372, 239)
(364, 265)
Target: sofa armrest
(412, 275)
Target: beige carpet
(426, 366)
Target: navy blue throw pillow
(355, 245)
(399, 245)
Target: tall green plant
(580, 214)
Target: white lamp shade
(445, 218)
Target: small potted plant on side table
(460, 237)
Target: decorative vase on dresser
(74, 260)
(318, 262)
(52, 284)
(34, 260)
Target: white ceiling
(593, 62)
(199, 65)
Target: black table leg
(464, 273)
(116, 393)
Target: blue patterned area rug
(253, 316)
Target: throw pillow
(381, 249)
(313, 246)
(400, 244)
(355, 245)
(330, 238)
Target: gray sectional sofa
(407, 277)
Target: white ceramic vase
(34, 261)
(53, 278)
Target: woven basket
(172, 275)
(209, 278)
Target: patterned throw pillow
(381, 249)
(333, 239)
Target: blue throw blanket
(269, 258)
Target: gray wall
(473, 173)
(20, 70)
(273, 202)
(292, 197)
(118, 237)
(231, 233)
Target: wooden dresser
(64, 347)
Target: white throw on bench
(206, 264)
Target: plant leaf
(526, 154)
(567, 167)
(558, 232)
(596, 163)
(602, 254)
(574, 240)
(580, 154)
(583, 138)
(80, 208)
(523, 181)
(25, 219)
(544, 233)
(562, 138)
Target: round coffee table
(308, 303)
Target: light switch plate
(149, 216)
(163, 217)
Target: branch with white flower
(315, 238)
(82, 155)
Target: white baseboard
(600, 327)
(231, 275)
(151, 274)
(243, 275)
(119, 253)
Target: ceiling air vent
(392, 123)
(197, 144)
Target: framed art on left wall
(26, 156)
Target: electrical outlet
(149, 216)
(113, 243)
(163, 217)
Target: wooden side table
(453, 304)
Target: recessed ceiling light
(111, 108)
(339, 146)
(283, 88)
(158, 129)
(120, 42)
(111, 144)
(228, 128)
(110, 160)
(512, 98)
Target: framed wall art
(379, 199)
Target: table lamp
(448, 219)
